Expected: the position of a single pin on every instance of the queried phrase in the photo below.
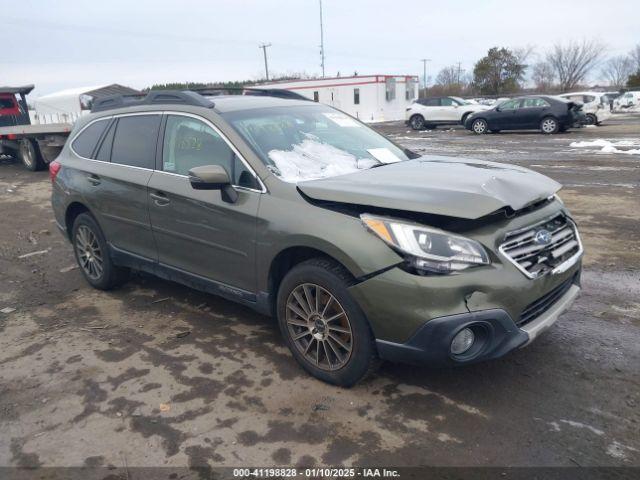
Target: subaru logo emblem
(543, 237)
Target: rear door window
(534, 103)
(429, 102)
(134, 142)
(85, 143)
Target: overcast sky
(65, 44)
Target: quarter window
(135, 139)
(85, 143)
(190, 143)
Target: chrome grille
(547, 246)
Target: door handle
(93, 179)
(160, 199)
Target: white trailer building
(371, 98)
(66, 106)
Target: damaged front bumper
(415, 319)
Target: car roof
(582, 93)
(232, 103)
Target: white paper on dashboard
(383, 154)
(342, 120)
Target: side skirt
(197, 282)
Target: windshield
(461, 101)
(308, 142)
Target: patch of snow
(313, 159)
(618, 450)
(583, 425)
(609, 147)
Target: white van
(595, 105)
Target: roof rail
(154, 97)
(196, 97)
(260, 92)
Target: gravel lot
(95, 378)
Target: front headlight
(427, 249)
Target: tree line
(563, 67)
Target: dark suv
(361, 249)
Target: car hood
(438, 185)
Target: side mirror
(213, 177)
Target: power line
(264, 46)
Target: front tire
(322, 324)
(30, 155)
(591, 119)
(92, 254)
(479, 126)
(417, 122)
(549, 126)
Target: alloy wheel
(417, 122)
(89, 252)
(549, 125)
(479, 126)
(319, 327)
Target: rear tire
(591, 119)
(323, 326)
(549, 125)
(30, 155)
(479, 126)
(417, 122)
(92, 254)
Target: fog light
(462, 341)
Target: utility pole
(321, 41)
(424, 75)
(264, 46)
(458, 82)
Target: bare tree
(617, 70)
(574, 61)
(543, 76)
(635, 58)
(523, 54)
(448, 76)
(451, 80)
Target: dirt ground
(158, 374)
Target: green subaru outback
(361, 249)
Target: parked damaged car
(545, 113)
(361, 250)
(595, 105)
